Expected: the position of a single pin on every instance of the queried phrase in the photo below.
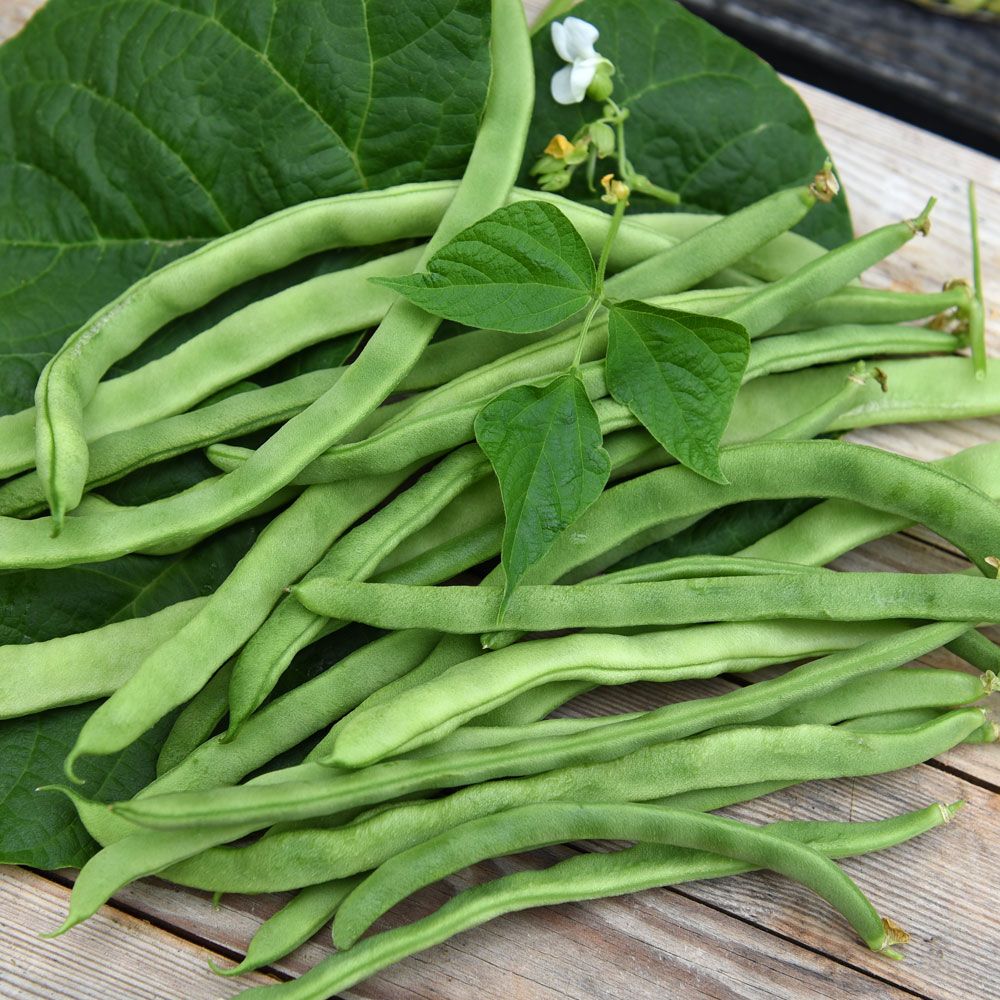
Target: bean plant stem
(602, 266)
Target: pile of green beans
(433, 745)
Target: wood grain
(752, 937)
(934, 71)
(112, 955)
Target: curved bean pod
(766, 308)
(734, 758)
(672, 722)
(782, 255)
(70, 378)
(828, 530)
(78, 668)
(586, 876)
(532, 826)
(470, 689)
(294, 924)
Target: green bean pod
(532, 826)
(585, 876)
(73, 669)
(70, 378)
(732, 760)
(766, 308)
(951, 597)
(672, 722)
(721, 244)
(294, 924)
(893, 691)
(469, 689)
(977, 649)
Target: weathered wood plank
(942, 887)
(934, 71)
(554, 952)
(113, 955)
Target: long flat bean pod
(730, 759)
(532, 826)
(672, 722)
(77, 668)
(476, 686)
(585, 876)
(950, 597)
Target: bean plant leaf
(133, 132)
(520, 269)
(707, 117)
(546, 447)
(679, 374)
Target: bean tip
(892, 934)
(922, 223)
(825, 186)
(69, 767)
(949, 810)
(67, 924)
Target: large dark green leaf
(42, 829)
(132, 132)
(708, 118)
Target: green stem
(977, 314)
(602, 266)
(645, 186)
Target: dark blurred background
(938, 71)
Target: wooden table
(911, 62)
(754, 936)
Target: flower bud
(602, 136)
(602, 86)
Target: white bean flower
(574, 40)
